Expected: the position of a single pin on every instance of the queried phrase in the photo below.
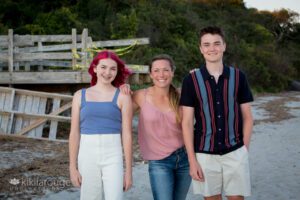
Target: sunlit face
(212, 47)
(161, 73)
(106, 70)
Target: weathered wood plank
(42, 56)
(74, 47)
(20, 108)
(2, 102)
(35, 93)
(116, 43)
(5, 118)
(42, 139)
(28, 106)
(84, 47)
(27, 116)
(51, 63)
(10, 50)
(11, 118)
(42, 108)
(44, 77)
(54, 123)
(34, 110)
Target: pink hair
(122, 74)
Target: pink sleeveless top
(158, 133)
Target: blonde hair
(173, 93)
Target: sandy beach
(36, 169)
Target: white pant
(100, 164)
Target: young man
(218, 97)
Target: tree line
(264, 44)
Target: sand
(274, 159)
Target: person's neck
(104, 87)
(160, 92)
(215, 69)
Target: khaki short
(229, 172)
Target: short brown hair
(214, 30)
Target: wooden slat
(37, 123)
(74, 47)
(11, 118)
(54, 63)
(24, 40)
(5, 118)
(20, 108)
(34, 110)
(42, 108)
(116, 43)
(84, 47)
(35, 93)
(45, 77)
(2, 102)
(54, 123)
(10, 50)
(42, 56)
(28, 105)
(28, 116)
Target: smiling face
(106, 71)
(161, 73)
(212, 47)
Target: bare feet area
(38, 169)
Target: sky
(274, 4)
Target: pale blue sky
(274, 4)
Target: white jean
(100, 164)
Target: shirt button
(211, 77)
(219, 129)
(218, 102)
(219, 116)
(219, 143)
(217, 89)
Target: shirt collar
(207, 76)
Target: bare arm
(247, 123)
(74, 139)
(188, 137)
(126, 108)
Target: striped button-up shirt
(219, 124)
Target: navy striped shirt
(219, 125)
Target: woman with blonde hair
(160, 134)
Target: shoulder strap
(83, 101)
(116, 95)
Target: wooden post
(10, 50)
(74, 47)
(84, 47)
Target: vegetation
(266, 45)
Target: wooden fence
(51, 58)
(24, 112)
